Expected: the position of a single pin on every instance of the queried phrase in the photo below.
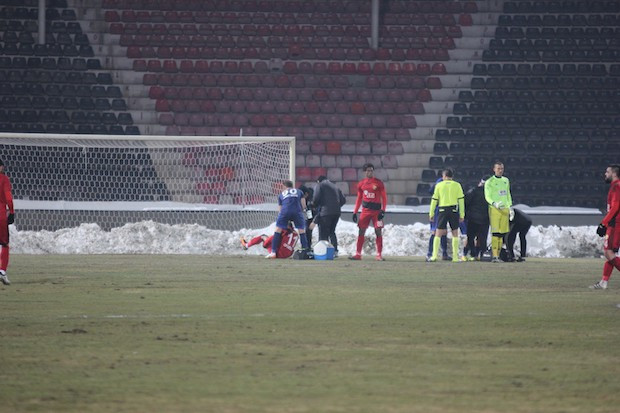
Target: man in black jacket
(477, 218)
(311, 211)
(328, 199)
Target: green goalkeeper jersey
(497, 189)
(448, 193)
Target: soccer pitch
(194, 333)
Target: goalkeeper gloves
(381, 215)
(354, 217)
(601, 230)
(511, 215)
(10, 219)
(498, 204)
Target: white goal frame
(133, 210)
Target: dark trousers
(309, 232)
(477, 237)
(512, 237)
(327, 229)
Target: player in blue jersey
(292, 208)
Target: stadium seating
(306, 71)
(60, 87)
(543, 99)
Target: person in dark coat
(519, 225)
(477, 218)
(328, 199)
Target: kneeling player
(286, 248)
(292, 207)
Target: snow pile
(154, 238)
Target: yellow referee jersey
(448, 193)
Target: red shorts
(612, 238)
(368, 215)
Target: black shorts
(448, 215)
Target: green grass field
(243, 334)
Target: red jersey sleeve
(7, 194)
(613, 203)
(383, 196)
(360, 196)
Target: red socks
(360, 244)
(608, 268)
(4, 257)
(254, 241)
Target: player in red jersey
(610, 227)
(286, 248)
(372, 198)
(6, 218)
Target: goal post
(220, 182)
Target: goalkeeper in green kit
(497, 194)
(449, 197)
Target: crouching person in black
(519, 225)
(311, 212)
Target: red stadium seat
(433, 83)
(408, 122)
(333, 148)
(170, 66)
(166, 119)
(186, 66)
(316, 172)
(350, 174)
(403, 135)
(334, 174)
(328, 161)
(181, 119)
(438, 69)
(325, 134)
(149, 79)
(417, 108)
(343, 161)
(395, 148)
(364, 68)
(303, 147)
(304, 174)
(464, 20)
(357, 161)
(313, 160)
(424, 69)
(379, 68)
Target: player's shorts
(4, 230)
(299, 219)
(367, 216)
(448, 215)
(612, 238)
(499, 220)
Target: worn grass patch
(242, 334)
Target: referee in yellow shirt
(448, 195)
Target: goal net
(61, 181)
